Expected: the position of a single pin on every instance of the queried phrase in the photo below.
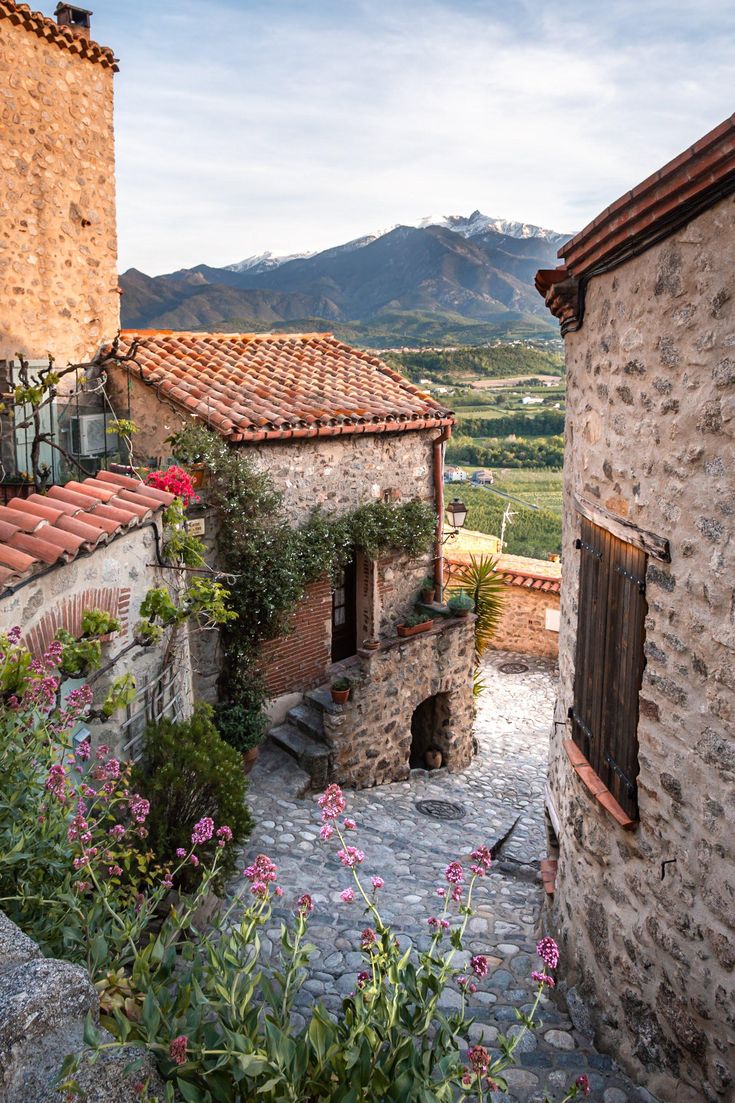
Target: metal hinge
(580, 722)
(640, 582)
(621, 774)
(581, 545)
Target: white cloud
(296, 124)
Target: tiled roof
(45, 530)
(531, 574)
(254, 387)
(48, 29)
(655, 208)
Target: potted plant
(370, 644)
(460, 604)
(243, 728)
(340, 689)
(428, 590)
(417, 622)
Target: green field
(536, 533)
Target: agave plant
(479, 580)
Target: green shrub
(461, 603)
(242, 728)
(415, 619)
(188, 772)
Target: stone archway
(429, 729)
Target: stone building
(335, 428)
(58, 244)
(642, 773)
(95, 545)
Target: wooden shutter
(609, 659)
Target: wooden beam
(656, 546)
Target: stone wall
(651, 438)
(370, 737)
(58, 248)
(114, 577)
(43, 1005)
(523, 624)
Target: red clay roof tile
(46, 529)
(64, 37)
(278, 386)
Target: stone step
(308, 720)
(320, 699)
(311, 756)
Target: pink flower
(278, 890)
(114, 871)
(102, 752)
(377, 882)
(262, 869)
(117, 831)
(441, 892)
(203, 830)
(112, 768)
(542, 978)
(305, 904)
(457, 893)
(368, 938)
(180, 852)
(332, 803)
(583, 1083)
(14, 635)
(548, 951)
(347, 896)
(81, 886)
(362, 979)
(482, 860)
(478, 965)
(224, 833)
(139, 808)
(177, 1049)
(259, 888)
(325, 832)
(194, 860)
(351, 856)
(349, 825)
(479, 1059)
(168, 881)
(56, 782)
(454, 873)
(82, 752)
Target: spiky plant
(480, 581)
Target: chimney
(76, 19)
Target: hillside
(461, 282)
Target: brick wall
(58, 248)
(522, 624)
(299, 660)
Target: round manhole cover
(441, 809)
(513, 668)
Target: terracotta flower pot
(371, 645)
(249, 758)
(340, 696)
(427, 596)
(403, 631)
(433, 759)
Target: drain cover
(441, 809)
(513, 668)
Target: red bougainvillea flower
(174, 480)
(548, 951)
(177, 1049)
(332, 803)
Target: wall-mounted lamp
(456, 513)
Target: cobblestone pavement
(501, 794)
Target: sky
(294, 125)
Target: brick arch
(67, 614)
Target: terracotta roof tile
(279, 386)
(46, 529)
(21, 15)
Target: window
(609, 660)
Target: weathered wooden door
(344, 613)
(609, 659)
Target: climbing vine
(270, 561)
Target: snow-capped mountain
(479, 223)
(264, 262)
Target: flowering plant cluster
(174, 480)
(217, 1012)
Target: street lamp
(456, 513)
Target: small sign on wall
(196, 527)
(553, 617)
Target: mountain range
(446, 279)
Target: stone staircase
(302, 734)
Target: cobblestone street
(501, 794)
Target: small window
(610, 659)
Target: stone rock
(15, 947)
(106, 1081)
(560, 1039)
